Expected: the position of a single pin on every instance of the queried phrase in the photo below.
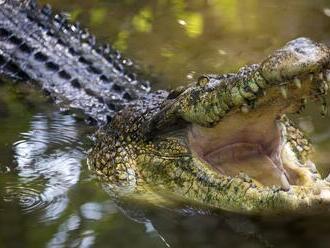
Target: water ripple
(32, 198)
(48, 159)
(29, 199)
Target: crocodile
(224, 142)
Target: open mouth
(261, 143)
(236, 123)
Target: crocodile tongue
(249, 159)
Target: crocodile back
(65, 61)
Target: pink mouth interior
(245, 143)
(249, 158)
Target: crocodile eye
(202, 80)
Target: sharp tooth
(327, 178)
(209, 119)
(316, 190)
(297, 82)
(325, 86)
(245, 108)
(328, 76)
(311, 76)
(284, 92)
(216, 110)
(301, 108)
(311, 166)
(285, 182)
(324, 107)
(320, 76)
(303, 105)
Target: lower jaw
(270, 201)
(270, 163)
(254, 146)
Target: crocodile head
(233, 146)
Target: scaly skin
(223, 142)
(64, 59)
(148, 145)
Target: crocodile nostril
(300, 50)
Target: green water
(48, 197)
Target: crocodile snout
(301, 56)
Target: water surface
(48, 198)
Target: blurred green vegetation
(173, 38)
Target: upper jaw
(298, 72)
(301, 63)
(298, 57)
(213, 97)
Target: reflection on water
(49, 190)
(29, 199)
(45, 174)
(47, 195)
